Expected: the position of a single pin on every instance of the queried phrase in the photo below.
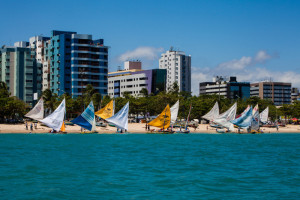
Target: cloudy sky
(254, 40)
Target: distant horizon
(251, 40)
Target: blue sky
(253, 40)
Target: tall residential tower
(178, 66)
(19, 71)
(75, 61)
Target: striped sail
(255, 119)
(245, 120)
(87, 118)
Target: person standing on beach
(31, 127)
(26, 125)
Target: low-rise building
(134, 80)
(295, 95)
(227, 87)
(278, 92)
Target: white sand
(132, 128)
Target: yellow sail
(107, 111)
(63, 128)
(163, 120)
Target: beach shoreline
(132, 128)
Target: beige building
(278, 92)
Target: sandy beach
(132, 128)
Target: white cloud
(236, 64)
(148, 53)
(262, 56)
(245, 69)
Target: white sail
(120, 119)
(174, 112)
(37, 112)
(55, 119)
(255, 121)
(94, 125)
(225, 118)
(264, 115)
(213, 113)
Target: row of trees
(12, 108)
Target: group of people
(31, 126)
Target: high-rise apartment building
(178, 66)
(278, 92)
(19, 71)
(38, 47)
(77, 60)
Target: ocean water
(148, 166)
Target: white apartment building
(178, 66)
(38, 43)
(130, 82)
(133, 79)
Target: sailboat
(107, 111)
(174, 112)
(37, 112)
(255, 120)
(246, 110)
(245, 119)
(213, 113)
(120, 119)
(186, 130)
(55, 119)
(225, 118)
(264, 115)
(163, 120)
(87, 119)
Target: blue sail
(245, 120)
(86, 119)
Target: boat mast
(186, 123)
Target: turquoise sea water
(144, 166)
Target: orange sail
(63, 128)
(163, 120)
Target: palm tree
(50, 99)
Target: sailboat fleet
(249, 120)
